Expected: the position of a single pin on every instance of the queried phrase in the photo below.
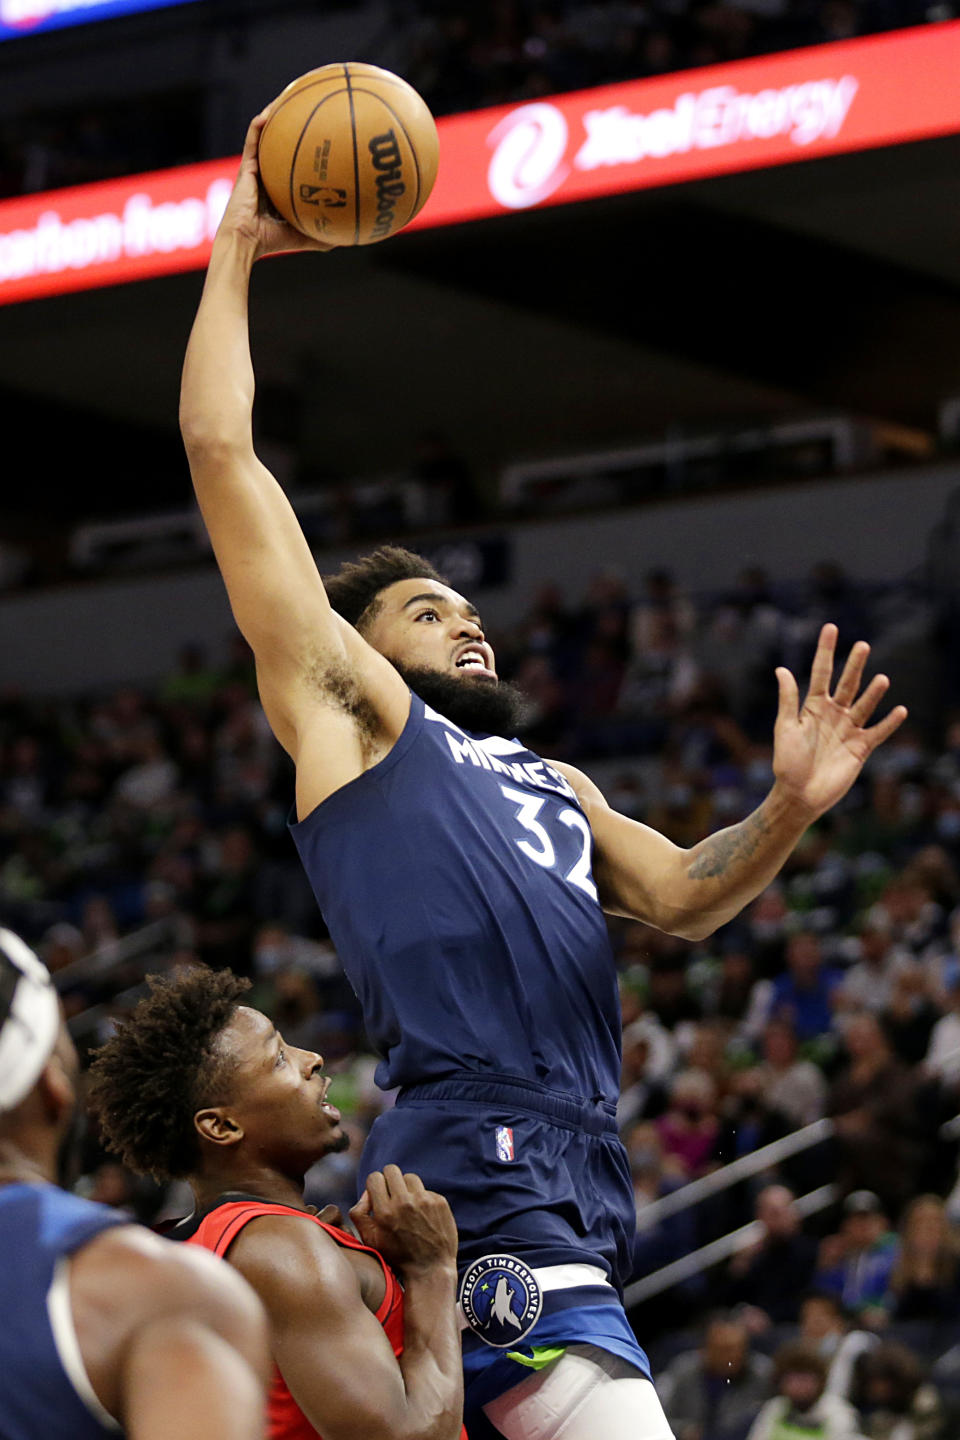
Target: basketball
(349, 154)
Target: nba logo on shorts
(505, 1149)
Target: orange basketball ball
(349, 154)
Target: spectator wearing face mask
(689, 1128)
(911, 1014)
(648, 1053)
(803, 1406)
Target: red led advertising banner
(806, 103)
(827, 100)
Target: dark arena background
(666, 375)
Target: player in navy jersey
(464, 881)
(107, 1330)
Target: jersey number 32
(540, 848)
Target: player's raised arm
(819, 750)
(274, 587)
(331, 1350)
(181, 1353)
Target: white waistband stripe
(569, 1277)
(562, 1277)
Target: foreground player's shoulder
(589, 794)
(133, 1295)
(155, 1276)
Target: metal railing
(718, 1250)
(115, 953)
(677, 1271)
(753, 1164)
(141, 949)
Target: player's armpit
(334, 710)
(318, 679)
(332, 1352)
(314, 671)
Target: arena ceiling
(832, 284)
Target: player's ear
(218, 1127)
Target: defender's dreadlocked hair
(353, 591)
(160, 1067)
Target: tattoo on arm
(729, 847)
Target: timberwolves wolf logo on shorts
(500, 1300)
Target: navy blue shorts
(540, 1188)
(525, 1169)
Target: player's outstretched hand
(249, 213)
(819, 750)
(411, 1226)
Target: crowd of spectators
(836, 994)
(830, 1380)
(464, 57)
(102, 141)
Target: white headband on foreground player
(29, 1019)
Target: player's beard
(492, 707)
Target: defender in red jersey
(196, 1085)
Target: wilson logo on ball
(388, 162)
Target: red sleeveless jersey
(217, 1232)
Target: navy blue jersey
(44, 1390)
(455, 878)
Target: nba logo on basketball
(505, 1143)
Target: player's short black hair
(160, 1067)
(353, 591)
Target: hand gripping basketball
(349, 154)
(249, 214)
